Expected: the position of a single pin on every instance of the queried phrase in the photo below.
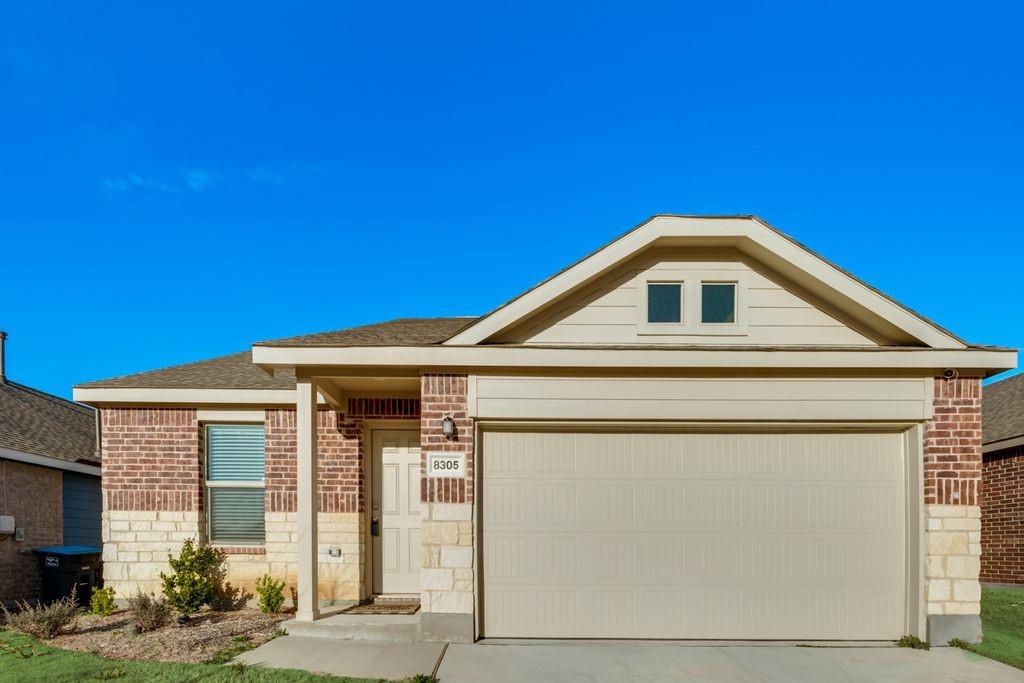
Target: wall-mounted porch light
(448, 427)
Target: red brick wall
(151, 459)
(441, 395)
(1002, 517)
(32, 495)
(952, 444)
(340, 453)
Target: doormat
(384, 608)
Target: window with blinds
(234, 484)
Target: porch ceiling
(337, 390)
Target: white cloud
(200, 179)
(133, 181)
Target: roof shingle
(1002, 409)
(236, 371)
(35, 422)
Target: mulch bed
(206, 633)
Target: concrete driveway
(578, 661)
(660, 661)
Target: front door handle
(374, 526)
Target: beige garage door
(613, 535)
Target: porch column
(306, 504)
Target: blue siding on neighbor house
(82, 504)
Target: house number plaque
(446, 465)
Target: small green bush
(44, 621)
(195, 577)
(102, 602)
(913, 642)
(148, 611)
(271, 594)
(962, 644)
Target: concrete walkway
(600, 661)
(356, 658)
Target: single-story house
(703, 429)
(49, 481)
(1002, 511)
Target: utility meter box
(6, 524)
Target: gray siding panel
(82, 509)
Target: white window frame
(209, 484)
(735, 302)
(691, 316)
(646, 327)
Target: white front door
(395, 511)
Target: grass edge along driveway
(23, 658)
(1002, 624)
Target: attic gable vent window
(665, 302)
(718, 303)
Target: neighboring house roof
(1002, 410)
(38, 423)
(238, 372)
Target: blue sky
(179, 181)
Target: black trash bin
(70, 566)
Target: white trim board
(47, 461)
(675, 358)
(747, 234)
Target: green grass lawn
(24, 659)
(1002, 620)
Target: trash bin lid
(69, 550)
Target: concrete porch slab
(358, 659)
(382, 627)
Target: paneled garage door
(614, 535)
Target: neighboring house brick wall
(952, 491)
(447, 580)
(1002, 514)
(32, 495)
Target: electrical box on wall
(6, 524)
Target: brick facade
(32, 495)
(1002, 514)
(952, 444)
(151, 459)
(442, 395)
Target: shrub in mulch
(148, 611)
(44, 621)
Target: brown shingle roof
(237, 371)
(400, 332)
(35, 422)
(224, 372)
(1002, 410)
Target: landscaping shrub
(102, 602)
(44, 621)
(913, 642)
(148, 611)
(271, 594)
(193, 582)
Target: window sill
(240, 549)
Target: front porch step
(394, 627)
